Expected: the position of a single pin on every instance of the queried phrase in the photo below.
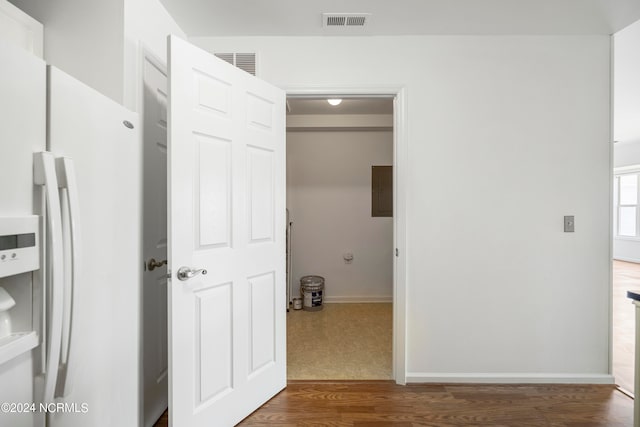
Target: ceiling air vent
(337, 20)
(244, 61)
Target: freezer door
(22, 133)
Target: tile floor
(340, 342)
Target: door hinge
(397, 252)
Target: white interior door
(154, 294)
(227, 337)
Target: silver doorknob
(186, 273)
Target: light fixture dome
(334, 101)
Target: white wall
(627, 154)
(97, 41)
(329, 201)
(20, 29)
(147, 25)
(626, 250)
(626, 86)
(84, 39)
(506, 135)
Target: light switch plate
(569, 224)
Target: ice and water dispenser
(19, 253)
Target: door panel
(262, 329)
(213, 181)
(261, 194)
(227, 188)
(214, 351)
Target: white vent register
(337, 20)
(244, 61)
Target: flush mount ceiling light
(334, 102)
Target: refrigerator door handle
(66, 174)
(45, 174)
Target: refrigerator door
(44, 173)
(22, 132)
(99, 371)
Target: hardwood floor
(163, 421)
(387, 404)
(383, 403)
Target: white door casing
(227, 329)
(154, 294)
(400, 171)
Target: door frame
(400, 180)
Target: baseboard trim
(343, 382)
(626, 259)
(510, 378)
(357, 299)
(625, 392)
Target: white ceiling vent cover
(343, 20)
(244, 61)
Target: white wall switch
(569, 224)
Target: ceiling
(403, 17)
(303, 106)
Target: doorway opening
(155, 349)
(342, 226)
(626, 273)
(153, 309)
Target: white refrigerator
(85, 298)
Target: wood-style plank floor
(385, 404)
(388, 404)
